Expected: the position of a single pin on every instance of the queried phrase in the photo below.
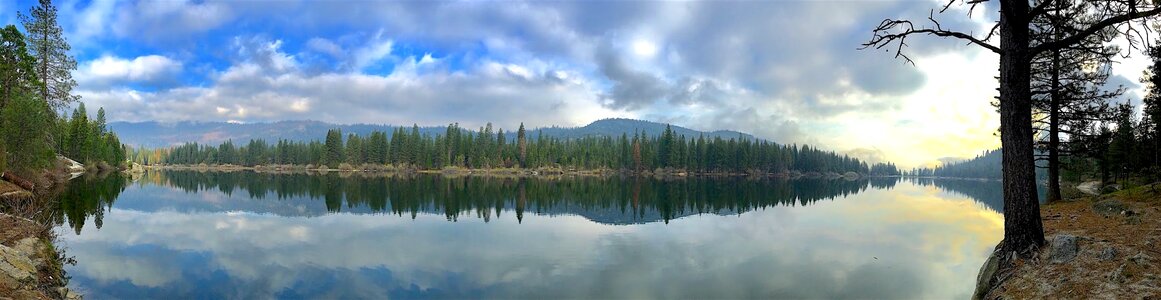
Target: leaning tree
(1023, 230)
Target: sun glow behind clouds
(644, 48)
(950, 116)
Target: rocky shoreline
(30, 266)
(1099, 246)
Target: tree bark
(1023, 229)
(1054, 132)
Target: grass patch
(1141, 193)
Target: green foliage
(1124, 144)
(47, 44)
(35, 80)
(25, 128)
(459, 147)
(88, 141)
(986, 165)
(16, 66)
(354, 152)
(334, 147)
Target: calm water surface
(247, 235)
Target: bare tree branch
(1093, 29)
(885, 35)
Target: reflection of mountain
(988, 192)
(604, 200)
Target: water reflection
(246, 235)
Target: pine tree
(102, 128)
(1123, 143)
(522, 144)
(334, 148)
(1068, 85)
(47, 44)
(16, 66)
(78, 133)
(354, 150)
(25, 126)
(1152, 109)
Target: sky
(787, 71)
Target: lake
(186, 234)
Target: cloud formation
(787, 71)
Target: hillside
(157, 134)
(987, 165)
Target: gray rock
(1064, 248)
(66, 293)
(1109, 253)
(1119, 275)
(1141, 260)
(987, 272)
(29, 247)
(1109, 207)
(15, 268)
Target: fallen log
(21, 182)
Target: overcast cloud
(788, 71)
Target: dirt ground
(7, 187)
(15, 229)
(1119, 253)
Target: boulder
(1109, 207)
(1064, 248)
(29, 247)
(987, 272)
(15, 268)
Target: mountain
(987, 165)
(157, 134)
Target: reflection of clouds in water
(926, 247)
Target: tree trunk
(1054, 118)
(1022, 226)
(1054, 132)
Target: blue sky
(788, 71)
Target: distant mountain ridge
(158, 134)
(987, 165)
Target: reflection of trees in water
(612, 199)
(988, 192)
(88, 196)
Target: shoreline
(545, 172)
(31, 265)
(1097, 245)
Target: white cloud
(326, 46)
(267, 86)
(108, 70)
(376, 50)
(746, 66)
(93, 20)
(168, 20)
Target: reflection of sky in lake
(907, 242)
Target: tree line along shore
(460, 150)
